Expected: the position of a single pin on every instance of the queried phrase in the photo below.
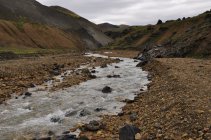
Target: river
(44, 110)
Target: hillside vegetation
(27, 23)
(182, 37)
(36, 36)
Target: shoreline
(16, 76)
(174, 107)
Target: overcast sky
(132, 12)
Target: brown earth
(176, 106)
(27, 35)
(18, 75)
(56, 17)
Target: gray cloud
(132, 12)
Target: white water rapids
(32, 115)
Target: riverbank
(18, 75)
(176, 106)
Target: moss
(20, 23)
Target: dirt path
(177, 105)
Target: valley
(64, 77)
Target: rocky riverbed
(18, 75)
(38, 112)
(175, 107)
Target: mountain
(113, 31)
(30, 24)
(174, 38)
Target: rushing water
(34, 114)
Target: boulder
(107, 89)
(128, 132)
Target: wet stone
(32, 85)
(129, 101)
(93, 71)
(28, 94)
(51, 133)
(55, 119)
(99, 109)
(92, 76)
(104, 66)
(142, 63)
(117, 67)
(113, 76)
(66, 132)
(107, 89)
(85, 112)
(46, 138)
(121, 114)
(71, 113)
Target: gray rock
(113, 76)
(66, 137)
(128, 132)
(107, 89)
(83, 138)
(28, 94)
(142, 63)
(133, 116)
(104, 66)
(55, 119)
(46, 138)
(85, 112)
(99, 109)
(71, 113)
(94, 126)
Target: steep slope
(90, 27)
(33, 12)
(186, 37)
(26, 35)
(113, 31)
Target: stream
(61, 110)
